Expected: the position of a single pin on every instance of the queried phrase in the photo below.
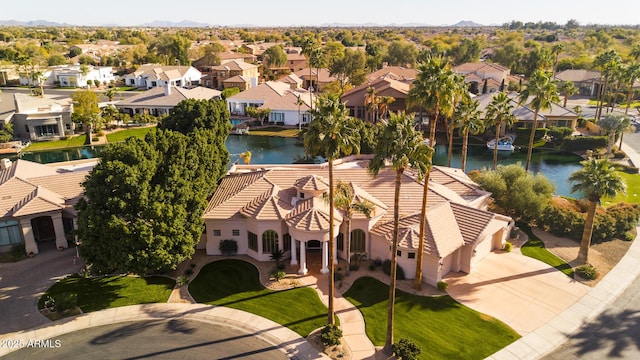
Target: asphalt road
(166, 339)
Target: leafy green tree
(331, 134)
(111, 93)
(86, 111)
(151, 218)
(198, 114)
(56, 60)
(6, 132)
(349, 68)
(499, 112)
(543, 94)
(401, 145)
(567, 88)
(596, 179)
(275, 56)
(401, 53)
(468, 120)
(229, 92)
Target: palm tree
(299, 103)
(403, 147)
(499, 111)
(246, 157)
(111, 93)
(468, 118)
(543, 93)
(371, 103)
(631, 73)
(434, 90)
(459, 91)
(556, 49)
(332, 135)
(596, 179)
(567, 88)
(347, 202)
(611, 125)
(308, 47)
(606, 62)
(384, 103)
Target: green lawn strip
(535, 248)
(112, 291)
(235, 284)
(74, 141)
(275, 131)
(632, 194)
(124, 134)
(442, 327)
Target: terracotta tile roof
(38, 201)
(384, 87)
(360, 194)
(24, 169)
(398, 73)
(157, 97)
(473, 222)
(12, 192)
(578, 75)
(312, 183)
(267, 206)
(311, 215)
(67, 185)
(237, 79)
(323, 74)
(231, 185)
(234, 65)
(274, 95)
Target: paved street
(22, 284)
(164, 339)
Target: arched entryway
(43, 229)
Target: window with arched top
(358, 241)
(269, 241)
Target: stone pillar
(325, 257)
(303, 259)
(61, 129)
(61, 239)
(335, 251)
(30, 244)
(294, 251)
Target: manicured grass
(235, 283)
(632, 194)
(442, 327)
(74, 141)
(122, 135)
(535, 248)
(275, 131)
(112, 291)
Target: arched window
(358, 241)
(286, 242)
(340, 243)
(269, 242)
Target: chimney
(167, 89)
(5, 163)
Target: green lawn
(442, 327)
(124, 134)
(112, 291)
(235, 283)
(632, 194)
(275, 131)
(57, 144)
(535, 248)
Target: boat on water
(504, 144)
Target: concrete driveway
(22, 283)
(521, 291)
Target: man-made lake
(556, 166)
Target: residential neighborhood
(330, 192)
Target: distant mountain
(466, 23)
(31, 23)
(183, 23)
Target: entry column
(61, 239)
(294, 251)
(30, 245)
(303, 259)
(325, 257)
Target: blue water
(235, 122)
(556, 166)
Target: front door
(43, 229)
(314, 245)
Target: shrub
(94, 139)
(629, 169)
(181, 281)
(228, 247)
(587, 271)
(442, 286)
(372, 266)
(406, 349)
(508, 246)
(377, 262)
(573, 143)
(386, 268)
(523, 134)
(278, 275)
(330, 335)
(557, 134)
(628, 236)
(619, 154)
(97, 82)
(338, 276)
(66, 301)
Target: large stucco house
(266, 208)
(160, 100)
(72, 76)
(152, 75)
(37, 118)
(36, 204)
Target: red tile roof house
(280, 97)
(36, 205)
(476, 74)
(159, 101)
(266, 208)
(386, 85)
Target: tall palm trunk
(417, 282)
(465, 145)
(347, 230)
(450, 153)
(392, 273)
(629, 93)
(495, 147)
(533, 134)
(330, 315)
(599, 97)
(585, 242)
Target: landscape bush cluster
(613, 222)
(579, 143)
(330, 335)
(386, 268)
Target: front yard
(72, 141)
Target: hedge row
(577, 143)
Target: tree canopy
(193, 114)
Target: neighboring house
(9, 75)
(556, 116)
(151, 76)
(258, 49)
(101, 48)
(41, 118)
(277, 96)
(318, 78)
(219, 74)
(477, 74)
(267, 208)
(385, 86)
(588, 82)
(159, 101)
(399, 73)
(296, 62)
(294, 81)
(72, 76)
(36, 206)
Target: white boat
(504, 144)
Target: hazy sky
(309, 13)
